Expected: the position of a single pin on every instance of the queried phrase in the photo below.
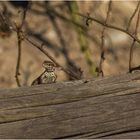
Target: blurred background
(67, 37)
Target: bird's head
(49, 66)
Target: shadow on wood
(99, 108)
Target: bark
(106, 107)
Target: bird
(48, 76)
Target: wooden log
(106, 107)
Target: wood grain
(106, 107)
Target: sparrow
(48, 76)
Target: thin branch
(13, 27)
(102, 57)
(24, 14)
(50, 57)
(110, 26)
(19, 57)
(20, 39)
(134, 13)
(133, 43)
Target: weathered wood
(106, 107)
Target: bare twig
(17, 30)
(133, 15)
(50, 57)
(88, 20)
(20, 39)
(110, 26)
(24, 14)
(133, 43)
(102, 57)
(19, 57)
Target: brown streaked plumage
(48, 76)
